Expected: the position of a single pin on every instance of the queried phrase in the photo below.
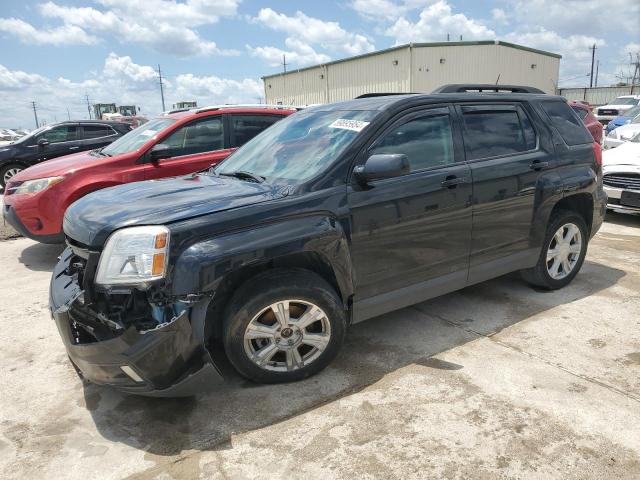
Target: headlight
(613, 134)
(35, 186)
(134, 256)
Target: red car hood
(59, 166)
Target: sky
(56, 52)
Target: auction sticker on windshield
(353, 125)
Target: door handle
(73, 148)
(452, 181)
(538, 165)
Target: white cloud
(499, 16)
(298, 53)
(313, 31)
(122, 81)
(64, 35)
(578, 17)
(387, 9)
(164, 25)
(435, 22)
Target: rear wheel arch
(580, 203)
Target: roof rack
(485, 87)
(246, 105)
(383, 94)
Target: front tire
(283, 326)
(563, 252)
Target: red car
(583, 110)
(176, 144)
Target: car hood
(627, 154)
(94, 217)
(627, 131)
(59, 166)
(615, 107)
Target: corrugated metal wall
(415, 69)
(598, 95)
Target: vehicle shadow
(623, 219)
(373, 349)
(40, 257)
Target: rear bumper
(10, 216)
(599, 211)
(169, 361)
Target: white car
(622, 134)
(621, 176)
(608, 112)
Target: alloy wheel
(287, 335)
(563, 251)
(10, 173)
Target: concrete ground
(497, 380)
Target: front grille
(608, 112)
(622, 180)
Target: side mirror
(160, 151)
(43, 142)
(383, 165)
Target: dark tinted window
(426, 141)
(569, 126)
(64, 133)
(497, 131)
(245, 127)
(202, 136)
(95, 131)
(581, 112)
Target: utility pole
(35, 114)
(593, 57)
(86, 96)
(68, 115)
(284, 63)
(597, 70)
(161, 88)
(636, 70)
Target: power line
(161, 89)
(35, 113)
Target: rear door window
(245, 127)
(567, 123)
(494, 130)
(96, 131)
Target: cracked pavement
(496, 380)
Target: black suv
(55, 140)
(334, 215)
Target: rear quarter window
(567, 123)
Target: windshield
(624, 101)
(299, 146)
(632, 112)
(133, 140)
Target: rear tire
(283, 326)
(563, 252)
(8, 171)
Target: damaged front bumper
(170, 360)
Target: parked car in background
(593, 125)
(625, 118)
(616, 107)
(622, 134)
(337, 214)
(35, 200)
(54, 141)
(621, 176)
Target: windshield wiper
(99, 153)
(244, 175)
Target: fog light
(131, 373)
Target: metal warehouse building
(417, 67)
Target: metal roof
(420, 45)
